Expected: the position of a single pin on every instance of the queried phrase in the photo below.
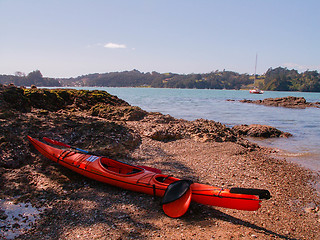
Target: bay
(191, 104)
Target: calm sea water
(191, 104)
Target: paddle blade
(178, 207)
(262, 193)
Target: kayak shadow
(85, 204)
(156, 157)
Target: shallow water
(16, 218)
(191, 104)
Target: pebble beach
(68, 206)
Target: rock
(311, 210)
(23, 100)
(3, 215)
(156, 117)
(118, 113)
(16, 225)
(166, 128)
(13, 98)
(257, 130)
(164, 134)
(289, 102)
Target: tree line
(33, 78)
(135, 78)
(278, 79)
(283, 79)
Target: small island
(288, 102)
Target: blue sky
(68, 38)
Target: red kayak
(176, 194)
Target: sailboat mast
(255, 67)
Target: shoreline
(204, 151)
(306, 159)
(304, 139)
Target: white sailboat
(255, 90)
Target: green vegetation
(282, 79)
(278, 79)
(213, 80)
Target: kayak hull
(138, 179)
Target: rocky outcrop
(56, 99)
(166, 128)
(289, 102)
(96, 103)
(13, 98)
(64, 115)
(118, 113)
(23, 99)
(257, 130)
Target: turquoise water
(191, 104)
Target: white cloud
(114, 45)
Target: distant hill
(135, 78)
(278, 79)
(283, 79)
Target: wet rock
(257, 130)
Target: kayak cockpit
(119, 167)
(166, 179)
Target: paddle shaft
(55, 142)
